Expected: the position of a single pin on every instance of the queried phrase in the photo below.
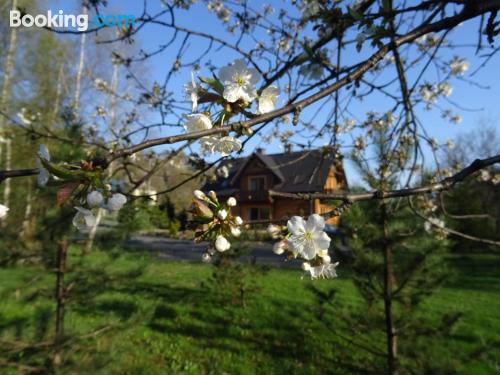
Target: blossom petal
(315, 223)
(321, 240)
(309, 250)
(296, 225)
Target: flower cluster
(85, 218)
(434, 224)
(83, 184)
(305, 240)
(233, 88)
(215, 222)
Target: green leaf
(213, 83)
(357, 16)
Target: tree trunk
(390, 329)
(60, 289)
(81, 65)
(4, 102)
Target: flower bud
(212, 195)
(327, 259)
(273, 230)
(94, 199)
(199, 194)
(222, 214)
(221, 244)
(306, 266)
(238, 220)
(231, 202)
(279, 247)
(235, 231)
(116, 202)
(202, 210)
(206, 258)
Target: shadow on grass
(475, 272)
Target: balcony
(254, 196)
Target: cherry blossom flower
(239, 81)
(458, 66)
(116, 202)
(197, 122)
(94, 199)
(43, 174)
(222, 244)
(238, 220)
(191, 90)
(323, 271)
(226, 145)
(308, 238)
(267, 100)
(222, 214)
(3, 211)
(84, 219)
(231, 202)
(445, 88)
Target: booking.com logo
(58, 20)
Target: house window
(259, 213)
(257, 183)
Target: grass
(164, 318)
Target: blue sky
(478, 100)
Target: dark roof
(302, 171)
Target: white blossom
(94, 199)
(267, 100)
(309, 8)
(206, 258)
(273, 230)
(3, 211)
(324, 271)
(199, 194)
(235, 231)
(84, 219)
(308, 238)
(239, 81)
(280, 247)
(445, 88)
(458, 66)
(222, 214)
(43, 174)
(223, 171)
(221, 243)
(306, 266)
(433, 221)
(197, 122)
(238, 220)
(226, 145)
(116, 202)
(191, 90)
(231, 202)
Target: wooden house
(250, 178)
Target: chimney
(260, 150)
(288, 148)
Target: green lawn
(161, 318)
